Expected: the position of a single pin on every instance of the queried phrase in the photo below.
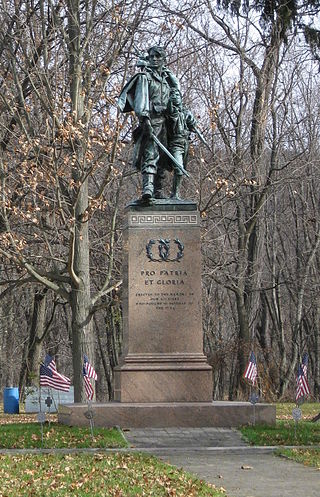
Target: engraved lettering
(170, 282)
(173, 272)
(147, 273)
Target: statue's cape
(135, 94)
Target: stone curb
(241, 449)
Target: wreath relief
(164, 250)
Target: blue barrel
(11, 400)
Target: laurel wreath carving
(164, 250)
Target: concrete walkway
(220, 456)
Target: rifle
(201, 137)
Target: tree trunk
(317, 354)
(29, 374)
(82, 340)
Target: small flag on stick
(303, 389)
(88, 372)
(51, 363)
(49, 376)
(251, 369)
(88, 387)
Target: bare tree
(59, 147)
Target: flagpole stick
(251, 402)
(49, 395)
(42, 431)
(40, 410)
(41, 435)
(91, 418)
(55, 405)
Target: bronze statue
(162, 136)
(180, 123)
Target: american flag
(51, 363)
(304, 364)
(49, 376)
(88, 387)
(303, 389)
(88, 372)
(251, 369)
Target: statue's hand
(147, 129)
(190, 120)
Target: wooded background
(250, 74)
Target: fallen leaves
(125, 475)
(7, 419)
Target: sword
(166, 151)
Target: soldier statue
(162, 137)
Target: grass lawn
(28, 436)
(99, 475)
(309, 410)
(283, 433)
(309, 457)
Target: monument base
(164, 415)
(163, 378)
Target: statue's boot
(147, 185)
(176, 187)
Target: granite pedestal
(163, 358)
(163, 378)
